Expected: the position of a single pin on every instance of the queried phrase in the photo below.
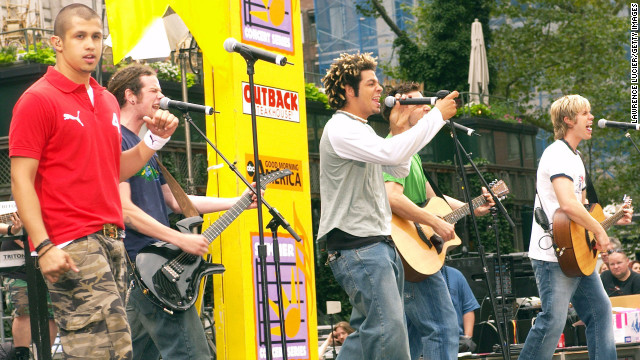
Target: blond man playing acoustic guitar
(561, 184)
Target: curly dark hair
(346, 70)
(128, 78)
(402, 88)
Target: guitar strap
(419, 230)
(592, 197)
(188, 209)
(434, 186)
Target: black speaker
(518, 278)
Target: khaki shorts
(18, 299)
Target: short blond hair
(567, 106)
(346, 70)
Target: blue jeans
(155, 332)
(431, 319)
(591, 303)
(373, 277)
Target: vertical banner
(634, 45)
(294, 298)
(272, 25)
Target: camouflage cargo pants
(89, 305)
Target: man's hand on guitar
(484, 209)
(626, 219)
(193, 244)
(602, 240)
(444, 229)
(254, 198)
(54, 263)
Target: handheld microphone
(166, 104)
(233, 45)
(390, 101)
(602, 123)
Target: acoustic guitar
(421, 249)
(575, 246)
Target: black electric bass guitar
(173, 276)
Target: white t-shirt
(558, 160)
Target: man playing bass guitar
(154, 331)
(431, 317)
(561, 185)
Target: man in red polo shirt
(66, 166)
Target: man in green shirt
(431, 317)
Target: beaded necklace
(354, 117)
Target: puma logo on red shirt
(71, 117)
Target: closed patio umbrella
(478, 67)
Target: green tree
(434, 49)
(554, 47)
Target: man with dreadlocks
(355, 215)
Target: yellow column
(282, 138)
(273, 25)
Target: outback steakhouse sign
(271, 102)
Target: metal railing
(498, 105)
(21, 39)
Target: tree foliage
(556, 47)
(434, 49)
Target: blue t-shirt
(146, 193)
(461, 294)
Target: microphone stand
(273, 226)
(37, 296)
(262, 249)
(628, 136)
(506, 352)
(277, 218)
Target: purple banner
(268, 23)
(294, 299)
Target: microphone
(233, 45)
(390, 101)
(468, 131)
(602, 123)
(166, 103)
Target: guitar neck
(463, 211)
(613, 219)
(227, 218)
